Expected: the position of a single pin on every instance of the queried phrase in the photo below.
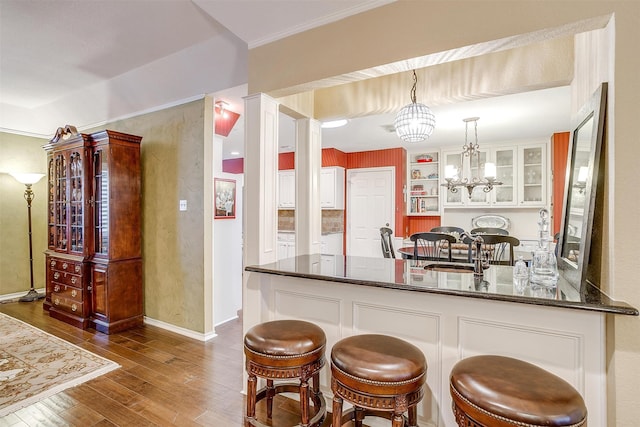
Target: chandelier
(470, 157)
(414, 122)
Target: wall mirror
(580, 190)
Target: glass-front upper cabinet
(101, 201)
(533, 175)
(449, 198)
(65, 202)
(506, 161)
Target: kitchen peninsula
(449, 316)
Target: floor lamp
(28, 179)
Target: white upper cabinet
(287, 189)
(522, 168)
(534, 175)
(332, 188)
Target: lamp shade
(27, 178)
(415, 122)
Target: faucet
(479, 262)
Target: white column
(308, 161)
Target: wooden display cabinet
(94, 255)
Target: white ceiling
(88, 62)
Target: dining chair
(432, 246)
(498, 248)
(386, 242)
(489, 230)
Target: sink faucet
(479, 262)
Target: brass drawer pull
(56, 288)
(74, 307)
(56, 301)
(64, 266)
(74, 293)
(73, 280)
(53, 263)
(56, 275)
(77, 268)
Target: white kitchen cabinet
(424, 184)
(287, 189)
(533, 175)
(331, 243)
(286, 245)
(332, 188)
(522, 169)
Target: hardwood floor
(165, 379)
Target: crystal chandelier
(414, 122)
(470, 157)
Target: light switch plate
(183, 205)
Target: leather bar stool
(281, 350)
(380, 376)
(501, 391)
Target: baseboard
(17, 295)
(179, 330)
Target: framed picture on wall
(225, 198)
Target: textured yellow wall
(173, 242)
(407, 29)
(21, 154)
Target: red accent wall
(392, 157)
(417, 224)
(233, 166)
(286, 161)
(333, 157)
(559, 156)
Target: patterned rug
(35, 365)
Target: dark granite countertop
(410, 275)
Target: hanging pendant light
(414, 122)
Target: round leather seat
(285, 349)
(283, 342)
(377, 373)
(502, 391)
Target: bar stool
(380, 376)
(285, 349)
(501, 391)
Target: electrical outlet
(183, 205)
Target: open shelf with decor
(423, 188)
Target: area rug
(35, 365)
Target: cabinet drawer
(67, 304)
(65, 266)
(66, 278)
(68, 292)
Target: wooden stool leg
(358, 416)
(397, 421)
(270, 393)
(413, 416)
(304, 402)
(251, 396)
(337, 411)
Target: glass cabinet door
(51, 204)
(478, 195)
(60, 202)
(76, 196)
(506, 160)
(532, 176)
(452, 159)
(101, 202)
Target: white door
(370, 205)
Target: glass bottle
(520, 275)
(544, 266)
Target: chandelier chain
(413, 88)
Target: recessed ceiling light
(235, 153)
(334, 124)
